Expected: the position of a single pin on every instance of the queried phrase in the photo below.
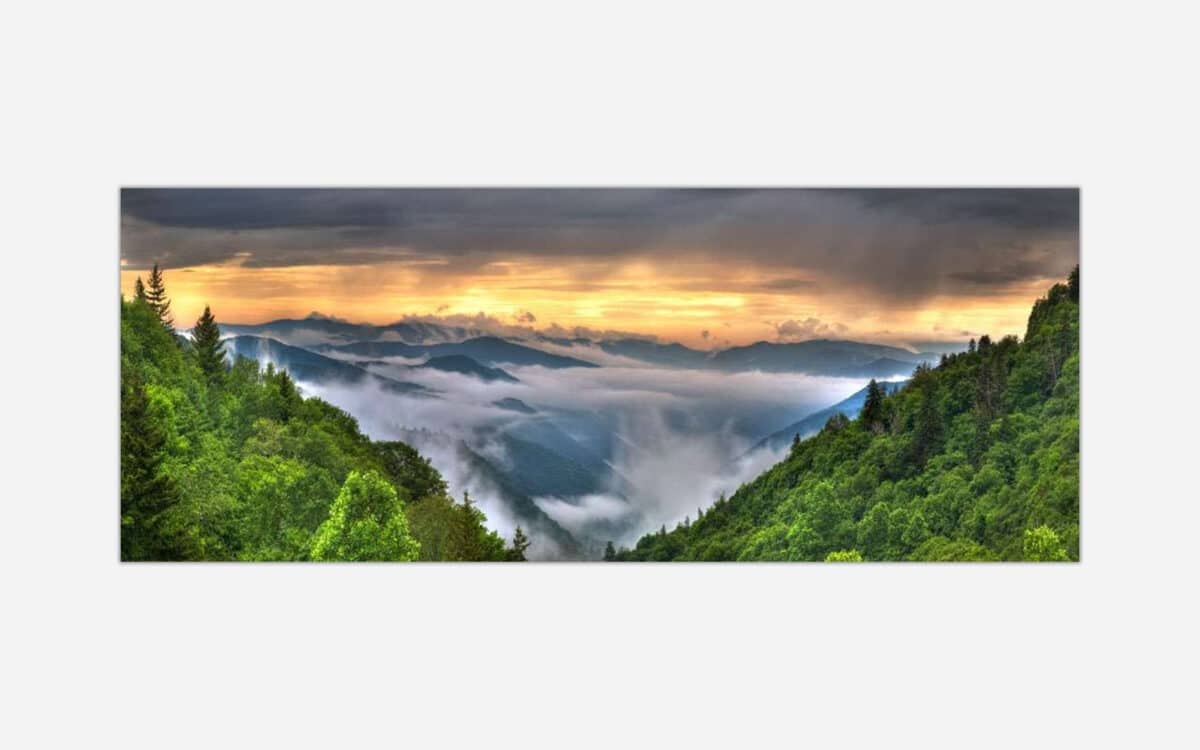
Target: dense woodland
(225, 461)
(975, 459)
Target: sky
(708, 268)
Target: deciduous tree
(366, 522)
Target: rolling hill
(487, 350)
(305, 365)
(464, 365)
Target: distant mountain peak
(315, 315)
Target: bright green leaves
(1043, 545)
(366, 522)
(844, 555)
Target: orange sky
(704, 267)
(675, 301)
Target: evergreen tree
(872, 411)
(156, 295)
(139, 290)
(610, 553)
(1073, 284)
(145, 491)
(520, 543)
(210, 352)
(469, 539)
(927, 439)
(795, 442)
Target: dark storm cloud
(1030, 208)
(893, 242)
(787, 285)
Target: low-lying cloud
(677, 439)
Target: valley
(571, 438)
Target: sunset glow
(706, 270)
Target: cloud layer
(670, 262)
(902, 241)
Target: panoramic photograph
(599, 374)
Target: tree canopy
(233, 463)
(976, 459)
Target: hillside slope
(812, 424)
(232, 463)
(976, 459)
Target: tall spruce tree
(610, 552)
(206, 340)
(156, 295)
(872, 411)
(139, 290)
(928, 437)
(520, 543)
(145, 492)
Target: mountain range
(423, 339)
(306, 365)
(487, 350)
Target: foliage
(516, 553)
(1043, 545)
(156, 294)
(844, 555)
(974, 460)
(206, 343)
(231, 462)
(366, 522)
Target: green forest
(229, 462)
(976, 459)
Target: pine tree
(139, 290)
(210, 352)
(928, 436)
(795, 442)
(156, 295)
(610, 553)
(872, 411)
(469, 539)
(1073, 284)
(289, 400)
(145, 492)
(520, 543)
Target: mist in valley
(660, 443)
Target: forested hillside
(223, 462)
(975, 459)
